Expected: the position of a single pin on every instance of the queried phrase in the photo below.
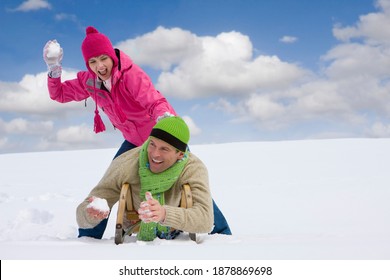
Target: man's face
(101, 66)
(162, 155)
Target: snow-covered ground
(288, 200)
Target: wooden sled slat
(121, 212)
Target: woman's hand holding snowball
(52, 55)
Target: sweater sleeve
(121, 170)
(199, 218)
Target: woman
(118, 86)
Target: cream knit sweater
(124, 169)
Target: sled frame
(126, 210)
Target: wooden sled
(126, 210)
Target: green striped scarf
(157, 184)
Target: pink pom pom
(91, 29)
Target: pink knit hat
(96, 44)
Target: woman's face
(101, 66)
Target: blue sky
(252, 70)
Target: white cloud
(162, 48)
(373, 28)
(31, 119)
(267, 90)
(33, 5)
(263, 108)
(194, 129)
(76, 134)
(288, 39)
(353, 59)
(31, 96)
(224, 65)
(25, 126)
(384, 5)
(71, 138)
(225, 105)
(64, 16)
(3, 143)
(379, 129)
(195, 66)
(353, 85)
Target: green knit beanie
(172, 130)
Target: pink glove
(52, 55)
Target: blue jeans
(221, 226)
(126, 146)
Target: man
(156, 171)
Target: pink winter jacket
(133, 105)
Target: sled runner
(126, 212)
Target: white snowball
(99, 204)
(54, 50)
